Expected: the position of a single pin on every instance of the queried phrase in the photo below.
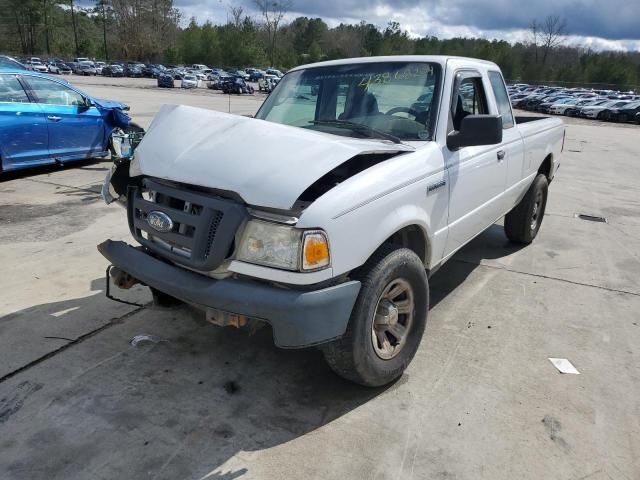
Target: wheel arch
(413, 237)
(546, 167)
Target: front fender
(356, 233)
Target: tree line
(154, 31)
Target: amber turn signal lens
(315, 251)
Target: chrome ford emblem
(160, 221)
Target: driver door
(477, 175)
(76, 128)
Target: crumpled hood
(266, 163)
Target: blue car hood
(113, 113)
(109, 104)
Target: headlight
(282, 246)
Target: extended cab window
(468, 98)
(11, 91)
(502, 99)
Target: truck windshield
(379, 100)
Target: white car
(37, 66)
(561, 108)
(326, 214)
(276, 72)
(595, 111)
(190, 81)
(267, 82)
(200, 75)
(59, 68)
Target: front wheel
(522, 224)
(387, 321)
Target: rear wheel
(387, 321)
(623, 118)
(522, 224)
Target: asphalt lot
(480, 400)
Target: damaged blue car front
(44, 120)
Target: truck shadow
(186, 402)
(180, 405)
(489, 245)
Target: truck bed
(529, 118)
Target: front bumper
(298, 318)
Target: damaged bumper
(298, 318)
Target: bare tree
(236, 15)
(553, 31)
(273, 11)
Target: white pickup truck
(325, 215)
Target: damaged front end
(118, 179)
(217, 220)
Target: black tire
(353, 356)
(519, 223)
(623, 118)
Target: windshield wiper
(358, 127)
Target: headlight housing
(282, 246)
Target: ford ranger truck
(325, 215)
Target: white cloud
(440, 18)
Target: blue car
(44, 120)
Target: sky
(601, 25)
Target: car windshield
(392, 99)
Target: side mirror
(476, 130)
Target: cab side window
(468, 99)
(11, 91)
(502, 99)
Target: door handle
(54, 118)
(500, 155)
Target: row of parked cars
(605, 105)
(88, 67)
(230, 80)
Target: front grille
(202, 228)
